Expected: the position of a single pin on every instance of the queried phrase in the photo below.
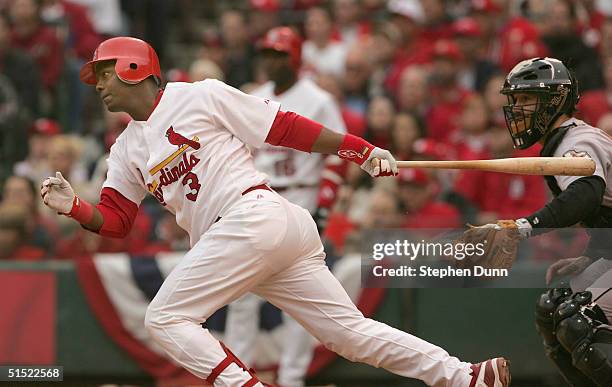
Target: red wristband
(82, 210)
(355, 149)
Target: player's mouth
(106, 98)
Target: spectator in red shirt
(519, 39)
(472, 139)
(408, 17)
(38, 40)
(595, 104)
(447, 95)
(507, 40)
(501, 195)
(417, 193)
(14, 235)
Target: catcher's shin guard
(582, 330)
(229, 359)
(545, 309)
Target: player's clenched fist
(380, 163)
(375, 161)
(57, 193)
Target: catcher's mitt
(498, 245)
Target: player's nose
(99, 85)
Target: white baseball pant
(268, 246)
(242, 327)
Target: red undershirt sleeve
(118, 213)
(294, 131)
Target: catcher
(575, 324)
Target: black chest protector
(548, 150)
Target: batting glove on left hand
(380, 162)
(375, 161)
(57, 193)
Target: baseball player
(298, 177)
(542, 97)
(243, 236)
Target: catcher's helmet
(284, 39)
(136, 60)
(557, 93)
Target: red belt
(253, 188)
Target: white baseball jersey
(298, 173)
(159, 155)
(584, 140)
(191, 155)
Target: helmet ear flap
(127, 71)
(574, 93)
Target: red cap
(414, 176)
(447, 49)
(284, 39)
(467, 26)
(265, 5)
(45, 127)
(486, 6)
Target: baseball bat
(551, 166)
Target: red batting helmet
(136, 60)
(284, 39)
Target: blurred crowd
(419, 77)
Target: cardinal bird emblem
(180, 140)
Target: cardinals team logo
(180, 140)
(173, 173)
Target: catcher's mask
(555, 92)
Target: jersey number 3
(191, 180)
